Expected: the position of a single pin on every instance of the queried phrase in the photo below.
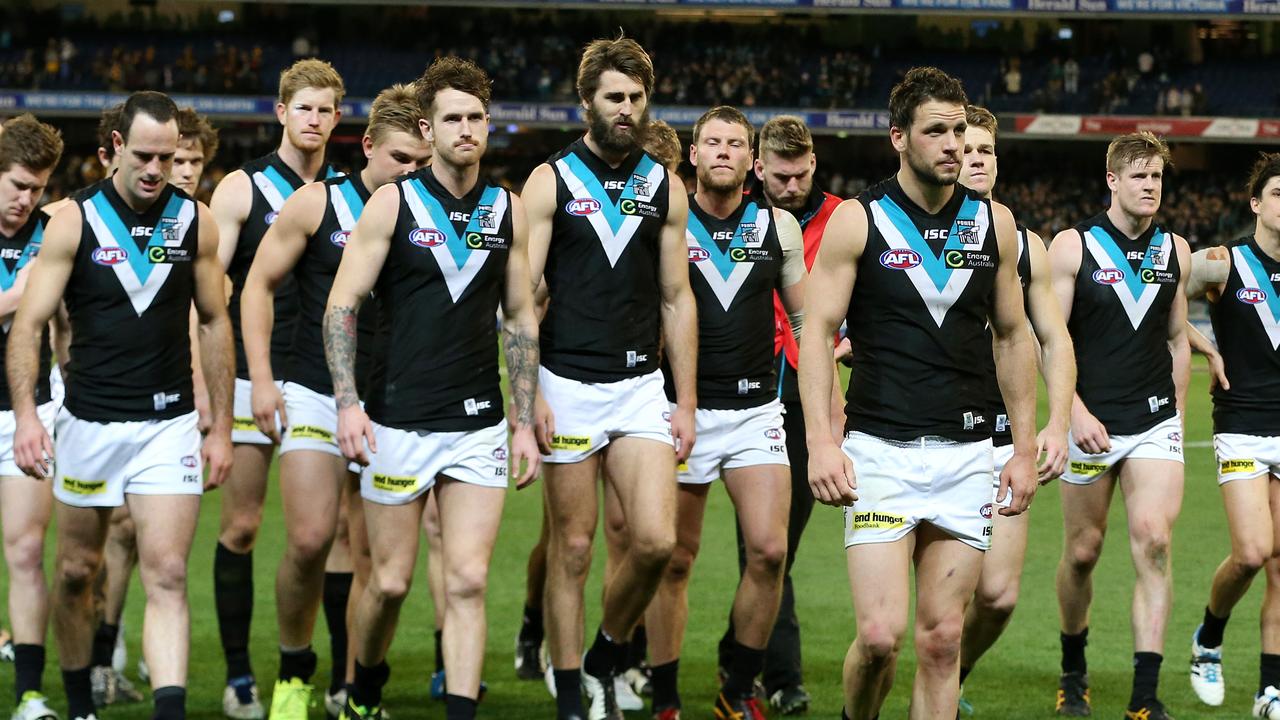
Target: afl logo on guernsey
(426, 237)
(339, 237)
(582, 207)
(1108, 276)
(896, 259)
(1252, 296)
(697, 254)
(270, 217)
(110, 255)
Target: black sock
(1146, 676)
(604, 657)
(1073, 652)
(1269, 672)
(439, 650)
(104, 644)
(964, 673)
(457, 707)
(79, 693)
(1211, 630)
(636, 649)
(569, 692)
(531, 629)
(233, 598)
(665, 685)
(745, 664)
(366, 691)
(170, 702)
(28, 669)
(337, 590)
(299, 664)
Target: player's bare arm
(1057, 359)
(32, 446)
(216, 354)
(1065, 254)
(1014, 350)
(520, 346)
(679, 319)
(361, 264)
(1178, 345)
(831, 281)
(275, 258)
(1208, 275)
(230, 204)
(539, 199)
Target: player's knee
(1251, 556)
(24, 554)
(653, 551)
(392, 588)
(680, 565)
(939, 645)
(77, 573)
(879, 642)
(166, 575)
(239, 535)
(468, 584)
(768, 558)
(310, 544)
(574, 554)
(1083, 552)
(998, 599)
(1153, 546)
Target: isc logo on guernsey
(1253, 296)
(582, 207)
(1108, 276)
(899, 259)
(109, 255)
(426, 237)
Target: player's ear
(1255, 204)
(424, 127)
(759, 168)
(366, 143)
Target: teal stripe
(589, 180)
(354, 203)
(283, 186)
(1264, 280)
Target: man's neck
(929, 197)
(367, 179)
(8, 229)
(611, 158)
(1268, 241)
(1131, 226)
(716, 203)
(307, 165)
(135, 203)
(457, 180)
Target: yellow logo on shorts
(84, 487)
(682, 467)
(244, 424)
(872, 520)
(1088, 469)
(570, 442)
(310, 432)
(1239, 465)
(395, 483)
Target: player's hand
(544, 423)
(216, 452)
(524, 451)
(266, 401)
(354, 431)
(1051, 444)
(682, 432)
(831, 476)
(32, 448)
(1017, 485)
(204, 416)
(1089, 432)
(843, 351)
(1217, 372)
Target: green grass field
(1016, 680)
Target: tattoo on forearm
(522, 368)
(340, 352)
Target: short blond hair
(981, 117)
(310, 73)
(786, 136)
(1132, 147)
(395, 108)
(662, 142)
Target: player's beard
(719, 184)
(927, 172)
(609, 138)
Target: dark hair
(107, 124)
(623, 55)
(921, 85)
(29, 143)
(155, 105)
(452, 72)
(194, 126)
(1265, 167)
(725, 113)
(662, 142)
